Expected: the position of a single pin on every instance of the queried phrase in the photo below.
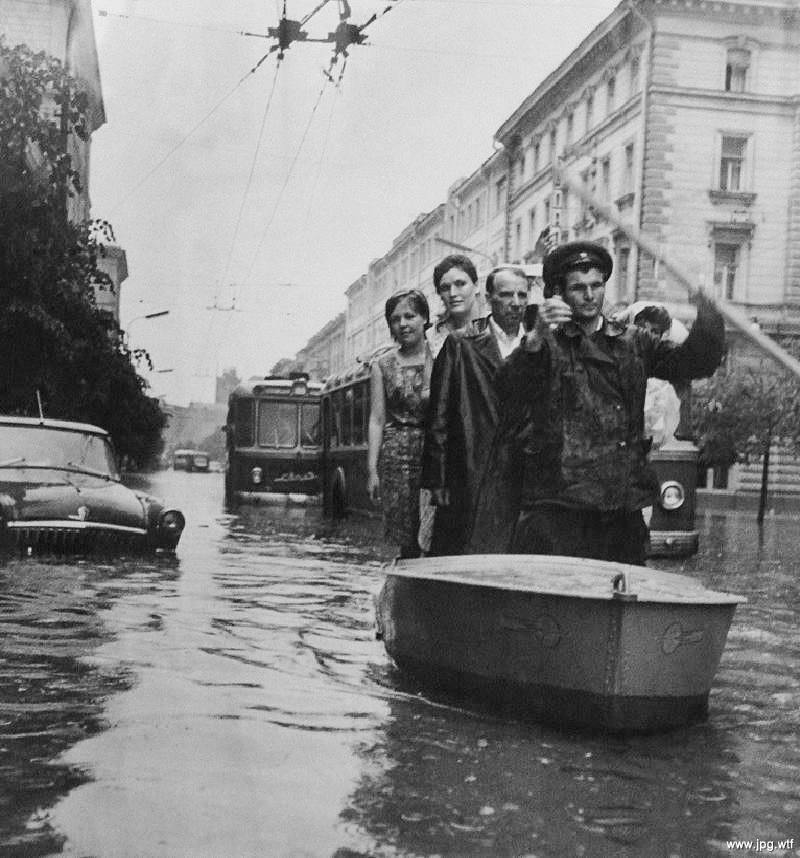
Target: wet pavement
(233, 701)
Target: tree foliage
(741, 411)
(53, 338)
(286, 365)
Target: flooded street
(233, 701)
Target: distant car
(60, 492)
(190, 460)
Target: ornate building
(683, 116)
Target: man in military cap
(572, 401)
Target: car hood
(54, 495)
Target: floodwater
(234, 702)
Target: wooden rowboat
(571, 642)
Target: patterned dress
(406, 388)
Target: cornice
(542, 178)
(750, 9)
(719, 99)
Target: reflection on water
(51, 694)
(235, 702)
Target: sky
(248, 198)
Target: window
(586, 183)
(532, 236)
(277, 424)
(570, 127)
(726, 262)
(623, 264)
(731, 163)
(628, 182)
(553, 143)
(347, 418)
(736, 67)
(359, 414)
(518, 238)
(336, 418)
(635, 73)
(611, 88)
(500, 195)
(589, 112)
(555, 209)
(309, 425)
(605, 179)
(478, 214)
(547, 212)
(243, 422)
(536, 153)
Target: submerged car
(60, 492)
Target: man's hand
(440, 497)
(552, 313)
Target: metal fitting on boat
(619, 587)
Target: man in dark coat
(463, 408)
(582, 380)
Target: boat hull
(616, 664)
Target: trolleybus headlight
(172, 521)
(672, 495)
(256, 475)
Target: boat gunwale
(697, 593)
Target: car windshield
(45, 447)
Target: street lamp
(154, 315)
(465, 248)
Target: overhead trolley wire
(252, 172)
(189, 133)
(285, 184)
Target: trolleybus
(273, 439)
(345, 422)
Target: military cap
(574, 254)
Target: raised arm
(701, 352)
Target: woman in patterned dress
(399, 387)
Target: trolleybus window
(277, 424)
(243, 422)
(347, 416)
(358, 414)
(309, 426)
(336, 422)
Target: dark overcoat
(462, 418)
(572, 417)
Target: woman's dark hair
(454, 261)
(658, 317)
(415, 298)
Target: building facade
(683, 117)
(65, 30)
